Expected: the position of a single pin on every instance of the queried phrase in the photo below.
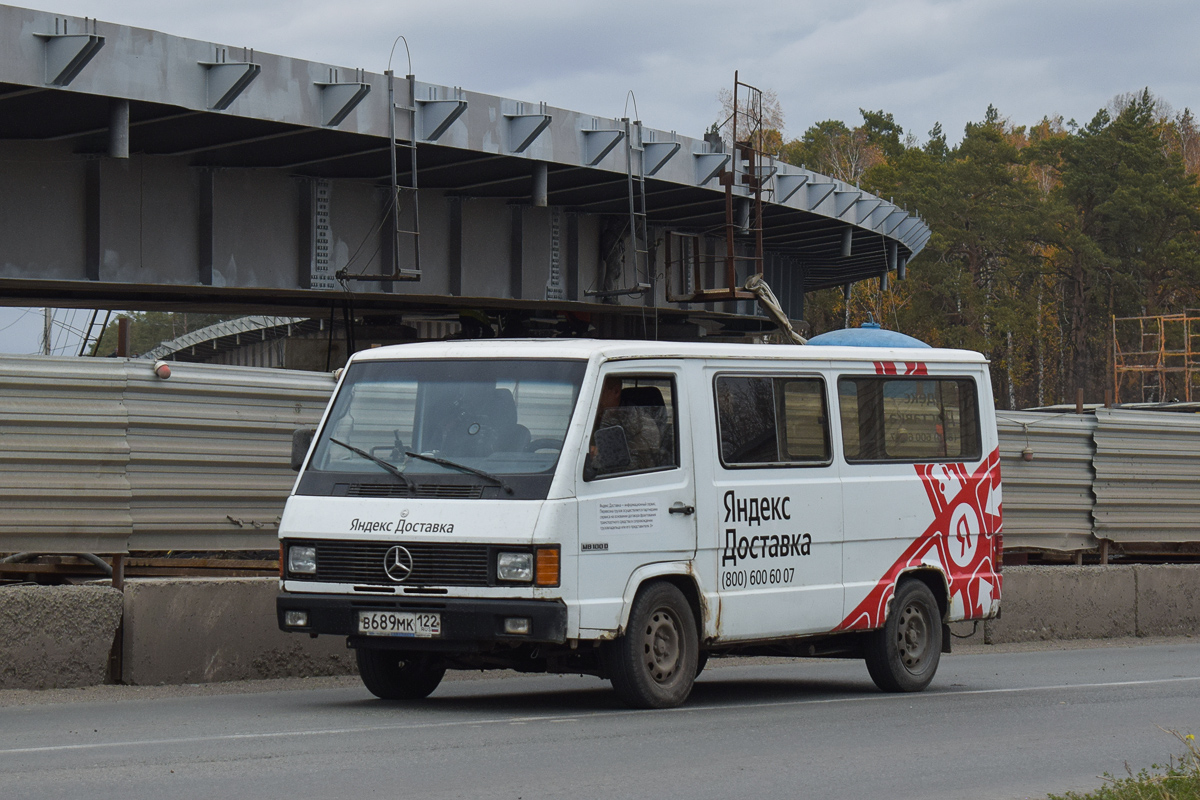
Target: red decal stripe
(966, 515)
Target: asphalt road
(992, 725)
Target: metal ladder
(639, 234)
(87, 334)
(410, 145)
(637, 255)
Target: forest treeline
(1040, 235)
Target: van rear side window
(772, 420)
(909, 419)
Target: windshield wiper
(463, 467)
(389, 467)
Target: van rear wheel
(903, 655)
(654, 664)
(395, 675)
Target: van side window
(909, 419)
(771, 420)
(634, 427)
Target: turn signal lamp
(547, 566)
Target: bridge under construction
(145, 171)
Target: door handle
(680, 508)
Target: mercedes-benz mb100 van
(631, 509)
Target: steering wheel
(543, 444)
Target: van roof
(614, 349)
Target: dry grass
(1178, 779)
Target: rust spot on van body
(935, 579)
(706, 611)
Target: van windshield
(464, 428)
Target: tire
(654, 664)
(903, 655)
(394, 675)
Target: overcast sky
(925, 61)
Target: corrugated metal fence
(99, 455)
(1048, 499)
(1147, 476)
(63, 455)
(1122, 475)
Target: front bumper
(467, 624)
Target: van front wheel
(654, 664)
(393, 675)
(903, 655)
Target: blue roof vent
(869, 335)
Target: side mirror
(612, 449)
(301, 441)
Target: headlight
(302, 560)
(515, 567)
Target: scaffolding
(743, 210)
(1156, 359)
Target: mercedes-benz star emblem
(398, 564)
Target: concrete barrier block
(56, 636)
(217, 629)
(1069, 602)
(1168, 599)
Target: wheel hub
(912, 635)
(662, 645)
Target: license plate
(399, 623)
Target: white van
(629, 509)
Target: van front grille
(433, 563)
